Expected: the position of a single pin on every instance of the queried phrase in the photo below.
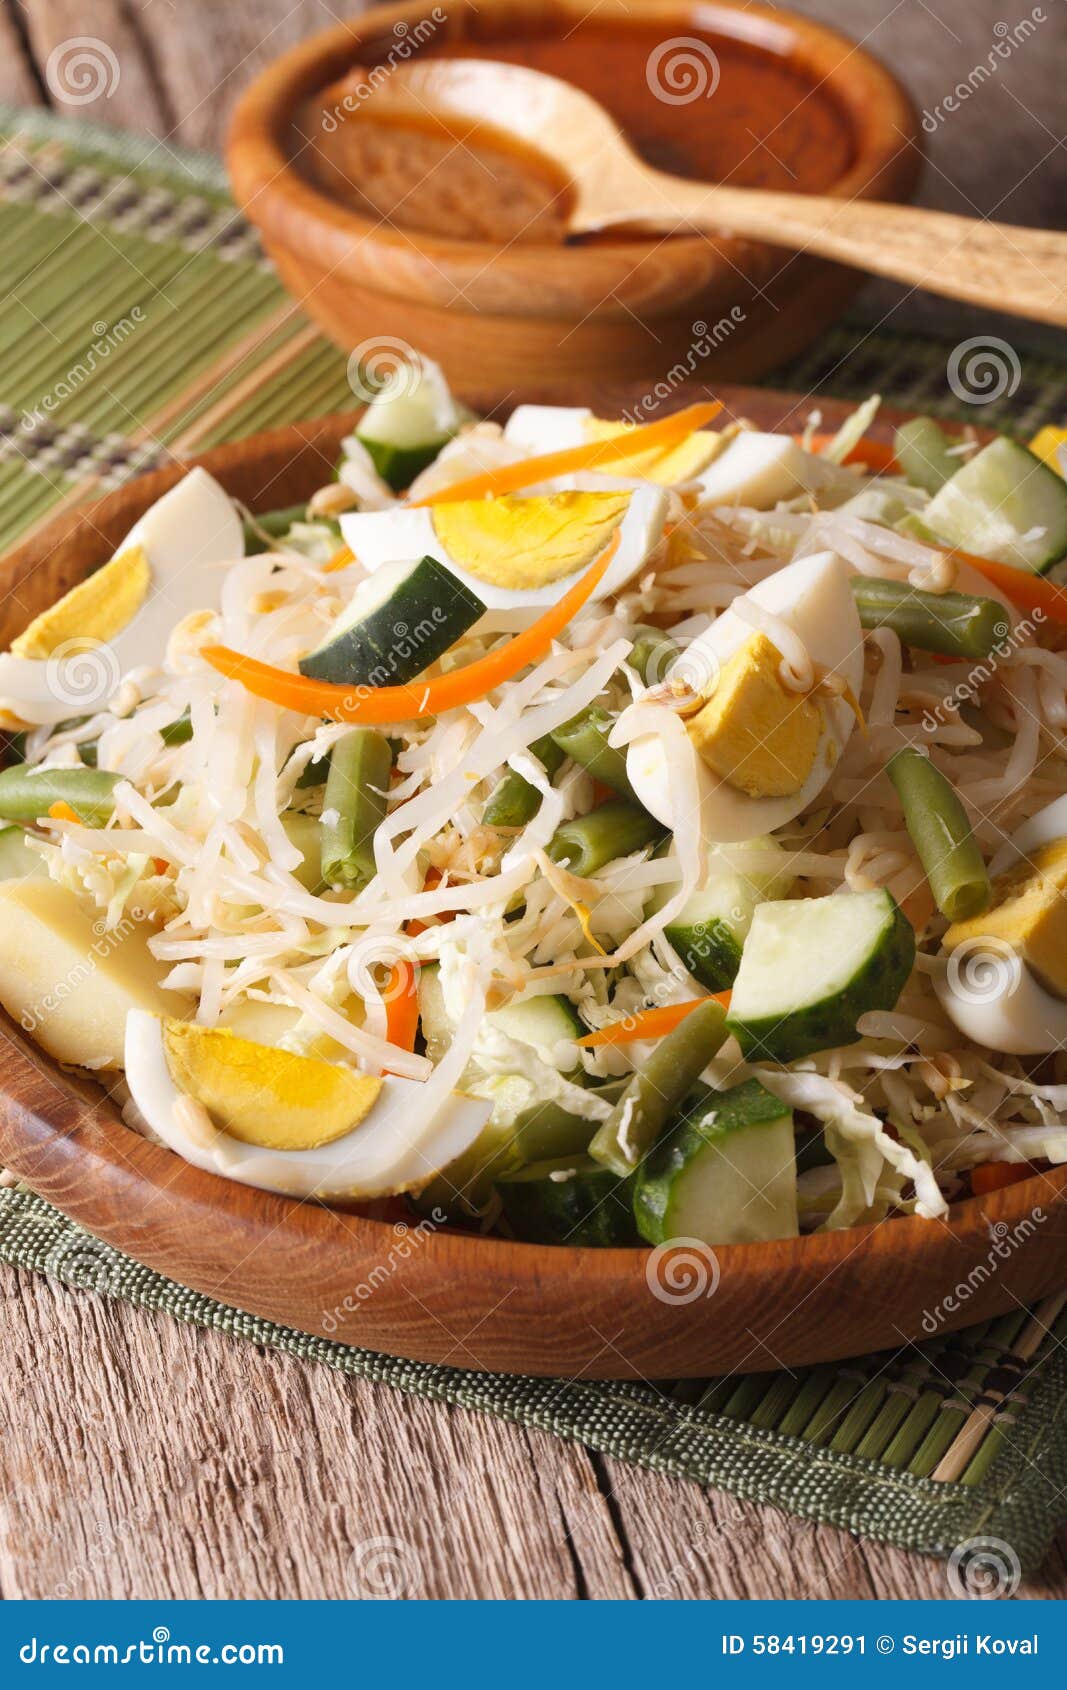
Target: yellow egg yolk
(265, 1096)
(94, 611)
(667, 466)
(525, 543)
(1029, 913)
(753, 732)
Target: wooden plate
(778, 100)
(441, 1296)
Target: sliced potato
(70, 984)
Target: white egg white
(813, 598)
(185, 536)
(988, 992)
(379, 537)
(393, 1149)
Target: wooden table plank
(147, 1459)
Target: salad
(601, 833)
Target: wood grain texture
(256, 1476)
(294, 1488)
(479, 1302)
(630, 309)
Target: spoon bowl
(616, 307)
(1000, 266)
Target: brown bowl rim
(278, 200)
(558, 1305)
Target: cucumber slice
(549, 1131)
(710, 931)
(575, 1201)
(1004, 504)
(304, 832)
(921, 449)
(18, 862)
(812, 966)
(408, 421)
(725, 1174)
(401, 619)
(541, 1021)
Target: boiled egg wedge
(72, 656)
(538, 429)
(518, 554)
(286, 1123)
(760, 753)
(1006, 981)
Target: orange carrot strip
(401, 1006)
(61, 812)
(592, 454)
(876, 454)
(649, 1024)
(342, 557)
(422, 698)
(994, 1176)
(1026, 591)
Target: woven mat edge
(1018, 1498)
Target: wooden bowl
(447, 1296)
(795, 105)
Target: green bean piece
(614, 830)
(178, 732)
(652, 654)
(259, 530)
(954, 624)
(941, 834)
(921, 449)
(548, 1130)
(585, 740)
(354, 804)
(26, 794)
(650, 1101)
(514, 800)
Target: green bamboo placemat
(141, 321)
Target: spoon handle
(1022, 271)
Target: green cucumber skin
(823, 1026)
(709, 951)
(399, 465)
(593, 1209)
(744, 1108)
(1048, 487)
(394, 644)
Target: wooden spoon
(1023, 271)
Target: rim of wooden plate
(441, 1295)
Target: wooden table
(143, 1459)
